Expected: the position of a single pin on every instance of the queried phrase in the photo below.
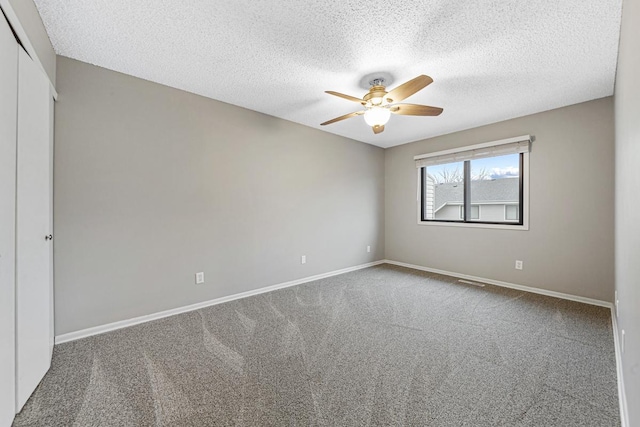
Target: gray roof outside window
(495, 190)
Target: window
(475, 212)
(482, 184)
(511, 213)
(445, 181)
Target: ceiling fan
(379, 104)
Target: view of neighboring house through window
(475, 212)
(491, 187)
(495, 185)
(444, 192)
(511, 213)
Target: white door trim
(26, 42)
(8, 116)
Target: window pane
(475, 212)
(512, 213)
(443, 191)
(495, 188)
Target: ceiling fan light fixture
(377, 116)
(380, 104)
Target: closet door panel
(52, 331)
(8, 114)
(33, 213)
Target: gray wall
(569, 246)
(32, 23)
(627, 125)
(153, 184)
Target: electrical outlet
(518, 265)
(622, 341)
(303, 259)
(199, 278)
(368, 248)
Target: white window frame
(525, 194)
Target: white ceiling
(490, 60)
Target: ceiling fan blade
(407, 89)
(377, 129)
(346, 116)
(415, 110)
(348, 97)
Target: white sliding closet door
(8, 106)
(34, 290)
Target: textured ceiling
(490, 60)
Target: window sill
(524, 227)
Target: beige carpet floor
(383, 346)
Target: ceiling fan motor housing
(376, 96)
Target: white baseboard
(507, 285)
(72, 336)
(622, 396)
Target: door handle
(48, 237)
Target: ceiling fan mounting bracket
(384, 79)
